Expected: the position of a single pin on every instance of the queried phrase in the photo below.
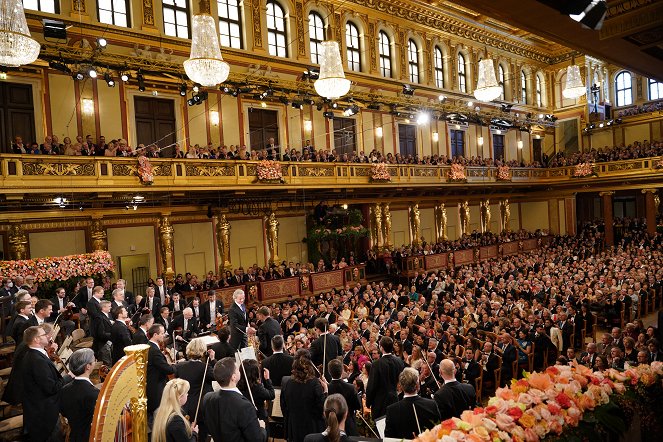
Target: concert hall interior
(306, 220)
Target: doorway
(135, 269)
(407, 139)
(263, 125)
(155, 123)
(344, 135)
(17, 115)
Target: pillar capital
(606, 193)
(647, 190)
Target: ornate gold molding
(18, 242)
(148, 13)
(223, 242)
(257, 23)
(272, 233)
(299, 19)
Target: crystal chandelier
(205, 65)
(331, 83)
(16, 46)
(574, 86)
(488, 88)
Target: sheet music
(247, 353)
(276, 404)
(209, 339)
(381, 425)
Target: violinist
(210, 310)
(151, 301)
(144, 323)
(163, 317)
(222, 349)
(63, 307)
(78, 398)
(183, 327)
(158, 368)
(119, 300)
(21, 321)
(194, 370)
(161, 291)
(177, 305)
(42, 311)
(100, 328)
(169, 423)
(120, 335)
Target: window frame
(353, 54)
(453, 142)
(413, 61)
(275, 31)
(501, 79)
(385, 59)
(538, 90)
(314, 41)
(112, 11)
(176, 9)
(523, 88)
(627, 87)
(462, 74)
(229, 22)
(659, 89)
(438, 67)
(56, 7)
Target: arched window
(462, 75)
(176, 18)
(385, 54)
(51, 6)
(624, 89)
(539, 92)
(500, 80)
(277, 35)
(353, 46)
(230, 23)
(655, 89)
(523, 87)
(316, 31)
(413, 60)
(439, 68)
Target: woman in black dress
(193, 371)
(335, 413)
(169, 423)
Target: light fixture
(197, 98)
(214, 118)
(593, 15)
(538, 137)
(601, 124)
(541, 116)
(263, 104)
(92, 72)
(17, 47)
(574, 87)
(498, 132)
(61, 201)
(138, 199)
(109, 80)
(124, 76)
(441, 98)
(3, 75)
(436, 137)
(351, 110)
(196, 87)
(480, 141)
(59, 65)
(183, 89)
(423, 118)
(470, 103)
(308, 125)
(345, 206)
(378, 132)
(141, 81)
(520, 144)
(78, 76)
(329, 115)
(155, 93)
(297, 105)
(487, 87)
(205, 64)
(457, 127)
(102, 42)
(87, 106)
(331, 83)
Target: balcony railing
(31, 173)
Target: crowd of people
(622, 152)
(382, 348)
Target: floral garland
(145, 170)
(61, 268)
(543, 404)
(323, 233)
(380, 172)
(269, 171)
(503, 173)
(658, 164)
(457, 172)
(583, 170)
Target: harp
(120, 414)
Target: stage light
(102, 42)
(141, 81)
(183, 89)
(423, 118)
(124, 76)
(109, 80)
(196, 88)
(408, 90)
(92, 72)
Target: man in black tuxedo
(183, 328)
(93, 307)
(226, 414)
(327, 346)
(177, 304)
(348, 391)
(453, 398)
(151, 301)
(381, 388)
(567, 331)
(163, 318)
(509, 355)
(144, 323)
(78, 398)
(121, 284)
(238, 321)
(412, 415)
(21, 321)
(470, 369)
(209, 311)
(588, 358)
(60, 304)
(100, 328)
(272, 150)
(120, 335)
(160, 290)
(84, 294)
(158, 368)
(279, 364)
(490, 363)
(268, 328)
(41, 383)
(222, 349)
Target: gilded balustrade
(26, 173)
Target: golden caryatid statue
(484, 215)
(166, 246)
(386, 226)
(376, 227)
(505, 215)
(223, 242)
(440, 214)
(272, 231)
(18, 242)
(415, 225)
(464, 214)
(98, 236)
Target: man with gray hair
(413, 414)
(238, 321)
(78, 398)
(453, 398)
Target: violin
(53, 353)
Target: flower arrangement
(546, 404)
(583, 170)
(503, 173)
(659, 164)
(457, 172)
(323, 233)
(269, 171)
(380, 172)
(145, 170)
(61, 268)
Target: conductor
(238, 320)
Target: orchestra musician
(381, 388)
(279, 364)
(193, 371)
(335, 414)
(78, 398)
(238, 320)
(177, 304)
(161, 291)
(349, 393)
(22, 320)
(210, 310)
(260, 391)
(222, 349)
(144, 323)
(326, 347)
(120, 336)
(151, 301)
(268, 328)
(163, 317)
(170, 425)
(183, 327)
(158, 368)
(62, 304)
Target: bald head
(447, 370)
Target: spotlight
(334, 105)
(601, 124)
(92, 72)
(225, 89)
(235, 93)
(59, 65)
(183, 89)
(54, 29)
(541, 116)
(329, 115)
(78, 76)
(101, 42)
(311, 74)
(345, 206)
(423, 118)
(141, 81)
(109, 80)
(441, 98)
(197, 99)
(196, 87)
(592, 17)
(470, 103)
(350, 111)
(60, 201)
(124, 76)
(297, 105)
(408, 90)
(609, 123)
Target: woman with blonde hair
(169, 422)
(193, 371)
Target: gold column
(223, 242)
(272, 231)
(148, 17)
(166, 247)
(415, 225)
(440, 214)
(98, 236)
(505, 215)
(18, 242)
(464, 215)
(376, 226)
(484, 218)
(386, 227)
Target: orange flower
(540, 381)
(527, 420)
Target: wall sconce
(537, 137)
(436, 137)
(520, 144)
(87, 106)
(308, 125)
(378, 132)
(480, 141)
(214, 118)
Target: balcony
(31, 174)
